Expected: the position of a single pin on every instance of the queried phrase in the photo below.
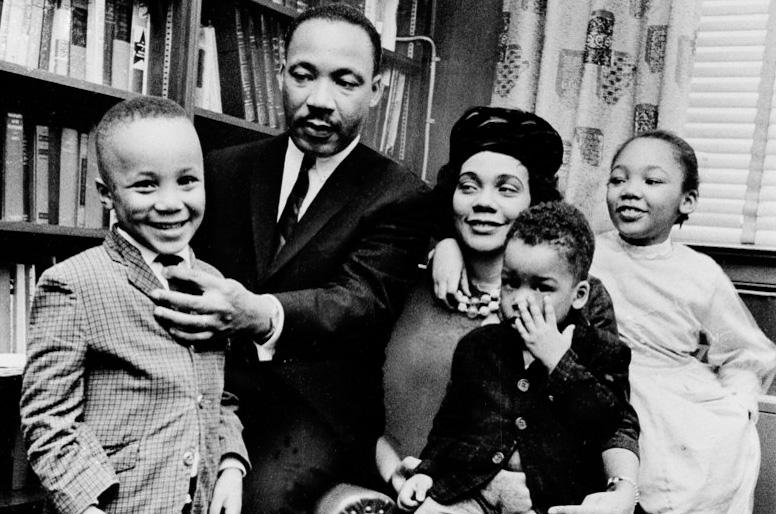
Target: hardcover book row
(48, 175)
(101, 41)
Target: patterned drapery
(598, 71)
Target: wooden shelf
(29, 242)
(217, 130)
(280, 9)
(48, 96)
(401, 61)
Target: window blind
(731, 123)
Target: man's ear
(689, 202)
(106, 197)
(581, 294)
(377, 89)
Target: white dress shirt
(319, 174)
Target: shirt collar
(324, 166)
(654, 251)
(149, 256)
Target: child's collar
(653, 251)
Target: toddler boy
(117, 415)
(542, 392)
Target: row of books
(17, 287)
(387, 126)
(101, 41)
(48, 175)
(256, 49)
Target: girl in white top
(699, 446)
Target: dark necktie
(170, 259)
(290, 216)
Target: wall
(466, 33)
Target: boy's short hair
(561, 225)
(347, 14)
(138, 108)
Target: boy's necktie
(182, 286)
(290, 216)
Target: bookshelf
(164, 36)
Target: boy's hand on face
(414, 491)
(538, 327)
(227, 493)
(223, 308)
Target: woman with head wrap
(501, 162)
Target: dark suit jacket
(559, 423)
(341, 278)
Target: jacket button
(497, 458)
(200, 397)
(521, 424)
(188, 458)
(523, 384)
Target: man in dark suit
(319, 262)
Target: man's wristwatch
(613, 481)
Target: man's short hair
(138, 108)
(341, 12)
(562, 226)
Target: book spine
(28, 159)
(59, 62)
(13, 168)
(5, 20)
(107, 42)
(93, 213)
(46, 28)
(18, 27)
(95, 40)
(55, 135)
(276, 40)
(20, 308)
(120, 61)
(34, 34)
(246, 77)
(138, 47)
(211, 76)
(259, 87)
(6, 338)
(83, 163)
(40, 179)
(80, 18)
(268, 69)
(68, 176)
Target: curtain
(598, 71)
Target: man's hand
(539, 329)
(227, 493)
(448, 271)
(617, 501)
(414, 491)
(403, 472)
(223, 308)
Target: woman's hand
(448, 271)
(403, 472)
(414, 491)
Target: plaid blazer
(558, 423)
(112, 406)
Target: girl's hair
(683, 153)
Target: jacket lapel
(138, 272)
(343, 185)
(265, 181)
